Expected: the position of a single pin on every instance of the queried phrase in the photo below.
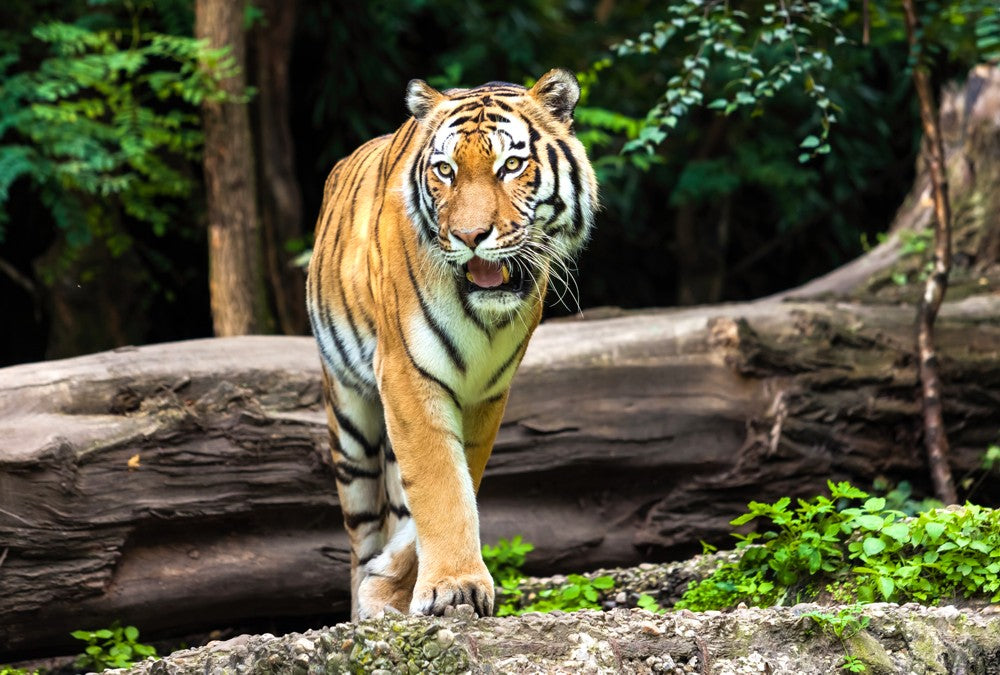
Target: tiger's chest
(476, 362)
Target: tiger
(433, 251)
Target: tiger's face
(501, 191)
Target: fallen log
(888, 639)
(184, 486)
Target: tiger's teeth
(468, 275)
(505, 272)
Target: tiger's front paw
(432, 595)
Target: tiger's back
(433, 252)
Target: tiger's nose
(473, 236)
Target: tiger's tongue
(485, 274)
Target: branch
(935, 438)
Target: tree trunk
(281, 200)
(234, 253)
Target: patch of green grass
(851, 542)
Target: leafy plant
(754, 57)
(649, 603)
(10, 670)
(104, 123)
(579, 592)
(504, 562)
(844, 624)
(871, 551)
(113, 647)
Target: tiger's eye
(443, 169)
(513, 164)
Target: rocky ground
(896, 639)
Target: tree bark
(234, 252)
(281, 199)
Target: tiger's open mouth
(489, 275)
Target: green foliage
(504, 562)
(113, 647)
(868, 551)
(579, 592)
(649, 603)
(843, 625)
(991, 458)
(900, 497)
(103, 122)
(10, 670)
(748, 59)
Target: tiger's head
(500, 188)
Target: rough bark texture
(183, 485)
(780, 640)
(281, 200)
(235, 274)
(970, 132)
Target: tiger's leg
(480, 424)
(425, 427)
(388, 579)
(356, 431)
(391, 576)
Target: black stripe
(355, 471)
(506, 364)
(348, 364)
(423, 373)
(574, 179)
(449, 346)
(399, 511)
(352, 520)
(350, 321)
(405, 144)
(554, 200)
(348, 426)
(469, 313)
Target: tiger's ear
(558, 91)
(421, 98)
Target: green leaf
(898, 531)
(131, 633)
(873, 545)
(886, 586)
(809, 142)
(870, 522)
(874, 504)
(934, 529)
(603, 582)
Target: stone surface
(780, 641)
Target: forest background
(103, 219)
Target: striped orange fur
(434, 248)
